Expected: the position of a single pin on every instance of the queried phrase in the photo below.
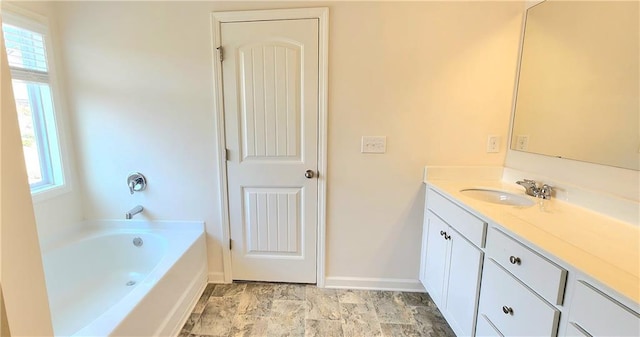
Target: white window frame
(16, 16)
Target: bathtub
(125, 278)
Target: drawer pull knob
(514, 260)
(507, 310)
(443, 233)
(447, 237)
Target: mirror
(578, 89)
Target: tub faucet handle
(136, 182)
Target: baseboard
(216, 277)
(392, 284)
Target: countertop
(602, 247)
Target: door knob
(309, 174)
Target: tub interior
(87, 277)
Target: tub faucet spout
(133, 211)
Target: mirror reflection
(578, 87)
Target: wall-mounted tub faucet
(136, 182)
(133, 211)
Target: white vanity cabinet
(509, 286)
(452, 263)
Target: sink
(498, 197)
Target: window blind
(26, 54)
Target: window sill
(47, 193)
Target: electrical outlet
(522, 142)
(493, 144)
(371, 144)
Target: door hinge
(230, 244)
(226, 154)
(220, 53)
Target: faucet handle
(530, 186)
(545, 191)
(136, 182)
(527, 183)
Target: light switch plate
(374, 144)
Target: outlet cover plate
(374, 144)
(493, 144)
(522, 143)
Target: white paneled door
(270, 84)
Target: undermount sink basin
(498, 197)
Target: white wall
(436, 78)
(22, 277)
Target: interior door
(270, 85)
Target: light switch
(374, 144)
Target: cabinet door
(436, 258)
(463, 283)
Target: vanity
(498, 262)
(522, 266)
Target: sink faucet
(532, 189)
(133, 211)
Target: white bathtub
(100, 284)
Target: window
(26, 48)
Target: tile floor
(278, 309)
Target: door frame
(217, 18)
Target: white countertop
(602, 247)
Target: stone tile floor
(279, 309)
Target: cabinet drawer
(486, 329)
(543, 276)
(466, 224)
(575, 331)
(600, 315)
(526, 313)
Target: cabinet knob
(443, 233)
(514, 260)
(507, 310)
(447, 237)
